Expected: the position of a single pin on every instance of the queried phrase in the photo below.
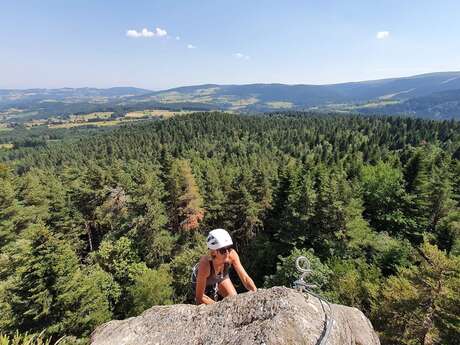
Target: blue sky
(76, 43)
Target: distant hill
(396, 88)
(434, 95)
(69, 95)
(367, 95)
(438, 105)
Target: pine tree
(448, 233)
(292, 204)
(33, 194)
(439, 196)
(154, 241)
(421, 304)
(354, 283)
(385, 200)
(214, 198)
(10, 208)
(87, 301)
(46, 267)
(328, 225)
(187, 212)
(121, 260)
(152, 287)
(243, 210)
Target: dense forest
(103, 226)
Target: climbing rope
(303, 266)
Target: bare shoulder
(234, 257)
(204, 265)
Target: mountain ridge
(389, 96)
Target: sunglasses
(224, 250)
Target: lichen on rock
(276, 316)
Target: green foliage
(181, 269)
(46, 269)
(329, 223)
(448, 233)
(420, 305)
(24, 339)
(286, 271)
(391, 253)
(50, 292)
(386, 252)
(354, 283)
(120, 259)
(88, 301)
(214, 196)
(243, 209)
(105, 225)
(10, 208)
(7, 316)
(385, 199)
(431, 185)
(185, 195)
(153, 241)
(293, 206)
(152, 287)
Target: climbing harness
(303, 266)
(194, 273)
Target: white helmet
(219, 238)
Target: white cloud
(241, 56)
(191, 46)
(177, 38)
(158, 32)
(133, 33)
(381, 35)
(146, 33)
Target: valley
(431, 96)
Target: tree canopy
(105, 225)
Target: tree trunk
(427, 325)
(90, 240)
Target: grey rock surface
(276, 316)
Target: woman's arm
(245, 278)
(203, 274)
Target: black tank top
(214, 278)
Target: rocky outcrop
(276, 316)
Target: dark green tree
(421, 304)
(385, 200)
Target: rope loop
(303, 266)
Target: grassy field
(280, 105)
(91, 116)
(346, 107)
(207, 91)
(103, 119)
(239, 103)
(205, 95)
(97, 124)
(155, 113)
(6, 146)
(377, 104)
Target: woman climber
(210, 276)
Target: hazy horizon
(222, 84)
